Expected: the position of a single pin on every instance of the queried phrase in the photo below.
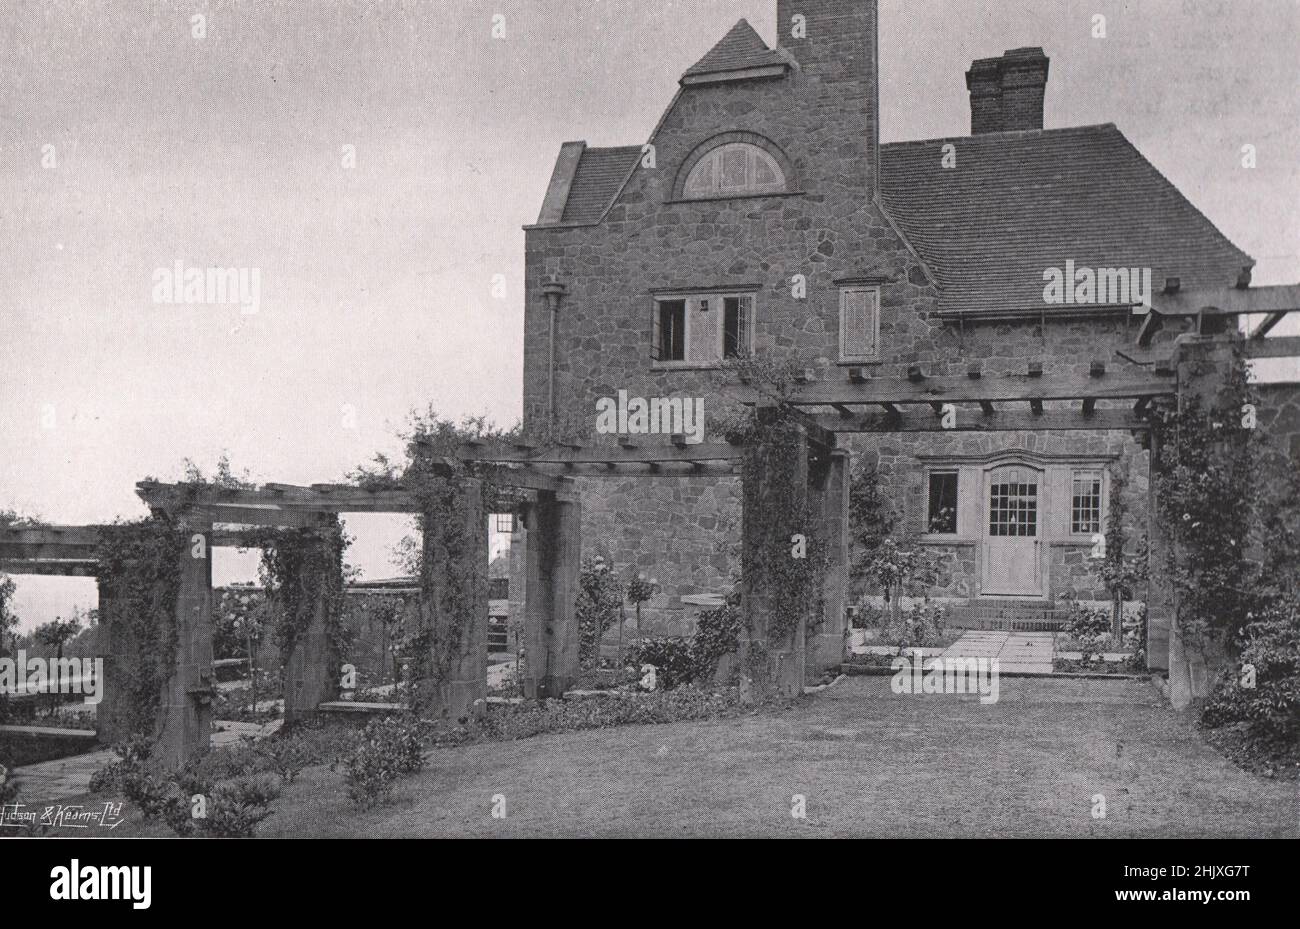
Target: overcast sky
(377, 280)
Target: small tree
(57, 633)
(1121, 571)
(639, 590)
(880, 560)
(600, 596)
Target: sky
(374, 164)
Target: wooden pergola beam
(58, 567)
(1277, 347)
(1005, 389)
(969, 420)
(1209, 304)
(658, 452)
(318, 498)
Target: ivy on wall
(787, 558)
(139, 570)
(301, 567)
(1207, 485)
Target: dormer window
(733, 170)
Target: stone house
(764, 216)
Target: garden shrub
(522, 721)
(920, 627)
(8, 785)
(233, 808)
(1271, 707)
(682, 660)
(1090, 628)
(389, 748)
(132, 754)
(717, 633)
(287, 757)
(672, 657)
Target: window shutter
(858, 323)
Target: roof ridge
(1009, 133)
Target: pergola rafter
(1212, 309)
(980, 404)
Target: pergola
(544, 479)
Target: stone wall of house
(1279, 417)
(821, 117)
(900, 461)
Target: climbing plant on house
(788, 557)
(1208, 490)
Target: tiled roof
(739, 49)
(1018, 203)
(600, 174)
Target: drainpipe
(555, 291)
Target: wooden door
(1013, 532)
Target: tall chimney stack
(1007, 93)
(835, 44)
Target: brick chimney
(1006, 94)
(836, 46)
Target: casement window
(735, 169)
(941, 515)
(859, 324)
(1085, 503)
(505, 522)
(702, 330)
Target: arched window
(734, 169)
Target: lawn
(869, 762)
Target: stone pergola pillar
(770, 664)
(1161, 598)
(185, 711)
(831, 500)
(110, 724)
(312, 668)
(1203, 364)
(462, 687)
(554, 555)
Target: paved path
(52, 781)
(62, 778)
(1021, 652)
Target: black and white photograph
(650, 419)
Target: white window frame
(1103, 505)
(716, 305)
(751, 187)
(874, 293)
